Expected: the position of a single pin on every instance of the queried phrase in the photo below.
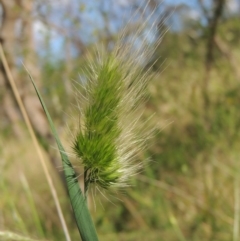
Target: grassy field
(190, 188)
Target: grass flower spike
(108, 139)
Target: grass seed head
(108, 139)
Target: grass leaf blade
(77, 198)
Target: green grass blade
(78, 202)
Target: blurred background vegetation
(190, 189)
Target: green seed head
(108, 140)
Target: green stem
(86, 182)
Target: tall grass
(190, 190)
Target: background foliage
(190, 188)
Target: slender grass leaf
(77, 198)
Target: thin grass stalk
(35, 142)
(176, 227)
(236, 208)
(9, 236)
(18, 219)
(85, 183)
(33, 208)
